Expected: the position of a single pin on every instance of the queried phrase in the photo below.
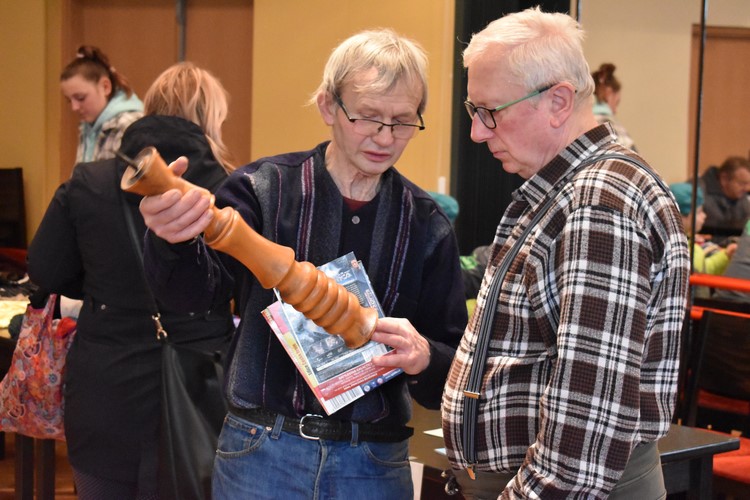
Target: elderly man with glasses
(343, 195)
(567, 374)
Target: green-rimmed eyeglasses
(487, 115)
(367, 126)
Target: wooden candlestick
(327, 303)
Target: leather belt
(317, 427)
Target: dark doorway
(483, 189)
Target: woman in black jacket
(83, 249)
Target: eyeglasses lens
(370, 127)
(485, 115)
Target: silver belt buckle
(302, 424)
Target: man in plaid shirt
(580, 378)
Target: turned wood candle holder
(327, 303)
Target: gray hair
(540, 49)
(395, 57)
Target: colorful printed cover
(336, 374)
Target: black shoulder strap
(135, 241)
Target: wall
(143, 38)
(649, 42)
(23, 99)
(293, 39)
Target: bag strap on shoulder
(161, 333)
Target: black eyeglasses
(366, 126)
(487, 115)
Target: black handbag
(192, 413)
(193, 408)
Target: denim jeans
(259, 462)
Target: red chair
(732, 472)
(719, 379)
(13, 260)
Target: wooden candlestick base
(327, 303)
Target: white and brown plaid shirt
(584, 354)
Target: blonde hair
(192, 93)
(396, 58)
(540, 48)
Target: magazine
(336, 374)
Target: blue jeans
(253, 461)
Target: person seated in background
(727, 204)
(708, 257)
(739, 267)
(607, 93)
(472, 265)
(447, 203)
(472, 269)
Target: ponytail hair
(92, 65)
(604, 78)
(194, 94)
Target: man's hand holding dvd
(336, 374)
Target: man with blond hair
(342, 195)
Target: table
(687, 459)
(686, 456)
(9, 308)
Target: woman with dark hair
(607, 92)
(103, 99)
